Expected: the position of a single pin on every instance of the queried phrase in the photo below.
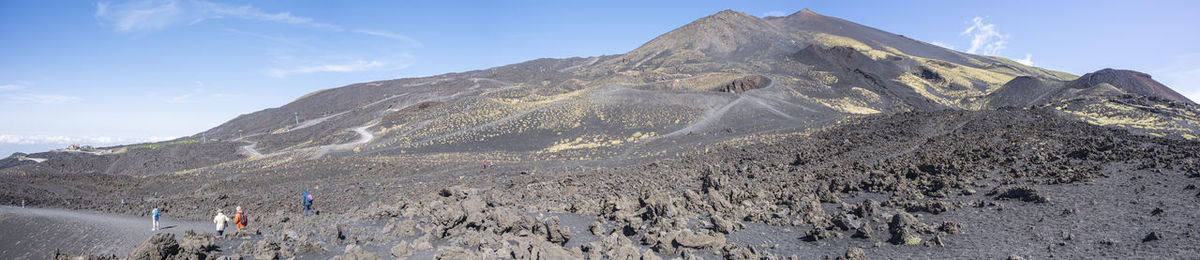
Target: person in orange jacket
(240, 218)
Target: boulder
(690, 239)
(1022, 193)
(619, 247)
(722, 225)
(854, 253)
(903, 228)
(556, 233)
(266, 249)
(159, 246)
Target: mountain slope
(721, 77)
(733, 136)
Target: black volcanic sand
(941, 184)
(32, 233)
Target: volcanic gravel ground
(957, 184)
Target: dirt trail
(925, 139)
(364, 136)
(33, 233)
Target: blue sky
(112, 72)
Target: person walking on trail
(306, 199)
(239, 218)
(155, 216)
(220, 220)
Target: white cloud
(42, 99)
(1028, 60)
(942, 44)
(153, 15)
(986, 39)
(11, 87)
(81, 140)
(274, 38)
(774, 13)
(390, 35)
(357, 65)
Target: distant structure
(73, 147)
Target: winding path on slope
(34, 233)
(364, 136)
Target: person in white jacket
(220, 220)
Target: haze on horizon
(116, 72)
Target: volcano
(733, 136)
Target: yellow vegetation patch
(831, 40)
(824, 77)
(860, 101)
(1111, 114)
(922, 87)
(581, 142)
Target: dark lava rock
(934, 207)
(903, 229)
(1151, 237)
(951, 228)
(159, 246)
(1023, 193)
(854, 253)
(863, 231)
(744, 84)
(816, 233)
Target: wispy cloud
(11, 87)
(942, 44)
(82, 140)
(774, 13)
(273, 38)
(153, 15)
(390, 35)
(357, 65)
(1028, 60)
(986, 39)
(42, 99)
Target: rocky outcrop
(744, 84)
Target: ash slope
(1029, 182)
(725, 76)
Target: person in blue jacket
(306, 199)
(155, 213)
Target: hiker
(306, 199)
(239, 218)
(220, 220)
(155, 214)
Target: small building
(73, 147)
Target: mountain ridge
(728, 72)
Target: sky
(119, 72)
